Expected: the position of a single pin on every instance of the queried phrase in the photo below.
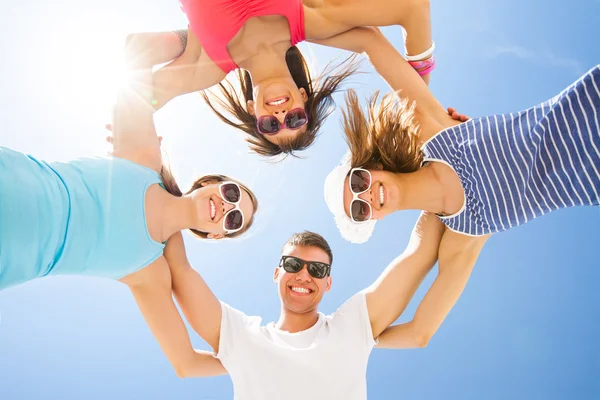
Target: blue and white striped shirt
(517, 167)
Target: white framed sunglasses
(231, 193)
(359, 181)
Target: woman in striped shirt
(471, 179)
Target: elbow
(421, 341)
(181, 371)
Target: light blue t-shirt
(83, 217)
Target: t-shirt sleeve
(235, 328)
(353, 319)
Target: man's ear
(216, 236)
(276, 274)
(250, 107)
(328, 284)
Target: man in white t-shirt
(305, 354)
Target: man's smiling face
(300, 292)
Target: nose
(367, 196)
(226, 206)
(280, 114)
(303, 274)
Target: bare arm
(151, 288)
(151, 48)
(201, 307)
(134, 133)
(390, 294)
(458, 254)
(191, 72)
(327, 18)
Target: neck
(420, 190)
(267, 65)
(176, 214)
(293, 322)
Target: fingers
(109, 139)
(456, 116)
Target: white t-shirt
(327, 361)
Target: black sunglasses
(316, 269)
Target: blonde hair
(385, 134)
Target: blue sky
(526, 326)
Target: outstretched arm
(328, 18)
(390, 294)
(201, 307)
(458, 254)
(151, 288)
(188, 69)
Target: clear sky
(526, 326)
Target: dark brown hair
(234, 101)
(172, 187)
(310, 239)
(386, 135)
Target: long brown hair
(172, 187)
(233, 100)
(387, 134)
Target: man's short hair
(310, 239)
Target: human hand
(456, 116)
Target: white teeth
(299, 290)
(213, 209)
(381, 195)
(277, 102)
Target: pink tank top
(215, 22)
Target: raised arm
(201, 307)
(327, 18)
(134, 133)
(191, 72)
(457, 256)
(389, 295)
(151, 288)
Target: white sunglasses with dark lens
(359, 181)
(233, 220)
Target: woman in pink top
(277, 104)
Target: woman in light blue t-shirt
(111, 216)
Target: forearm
(200, 306)
(191, 292)
(355, 40)
(388, 297)
(417, 27)
(152, 293)
(144, 50)
(458, 255)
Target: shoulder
(149, 157)
(237, 319)
(350, 323)
(352, 309)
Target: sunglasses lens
(361, 210)
(268, 125)
(317, 270)
(360, 181)
(234, 220)
(295, 119)
(292, 265)
(230, 192)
